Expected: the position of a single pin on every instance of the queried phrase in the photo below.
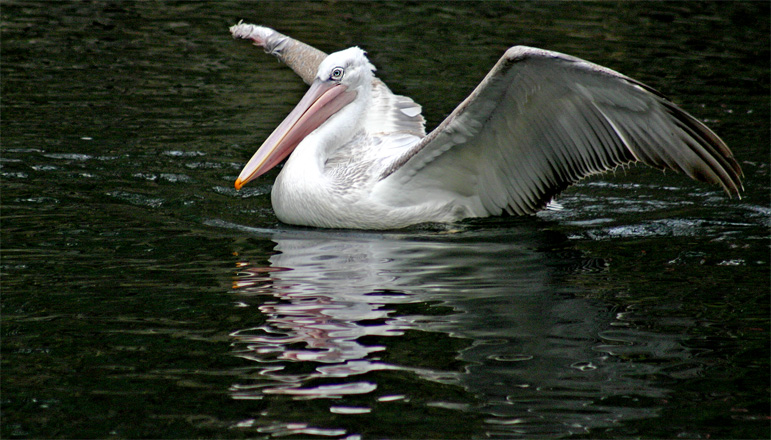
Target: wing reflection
(490, 313)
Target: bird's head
(349, 68)
(342, 77)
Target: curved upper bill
(321, 101)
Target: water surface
(142, 296)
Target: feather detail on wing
(392, 113)
(540, 121)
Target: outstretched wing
(540, 121)
(391, 113)
(300, 57)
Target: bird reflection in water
(330, 298)
(491, 314)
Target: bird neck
(334, 133)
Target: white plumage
(537, 123)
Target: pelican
(359, 156)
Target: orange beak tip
(239, 184)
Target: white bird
(540, 121)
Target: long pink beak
(321, 101)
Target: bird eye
(337, 74)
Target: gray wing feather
(300, 57)
(541, 120)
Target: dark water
(143, 297)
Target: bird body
(359, 156)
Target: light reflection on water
(539, 360)
(124, 125)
